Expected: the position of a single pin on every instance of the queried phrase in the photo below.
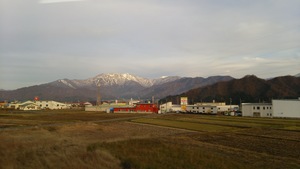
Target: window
(258, 108)
(264, 108)
(57, 105)
(270, 108)
(46, 105)
(253, 107)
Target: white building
(257, 109)
(176, 108)
(166, 107)
(204, 109)
(286, 108)
(211, 103)
(29, 106)
(52, 105)
(227, 108)
(17, 105)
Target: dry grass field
(78, 139)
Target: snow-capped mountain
(111, 79)
(165, 79)
(111, 86)
(119, 79)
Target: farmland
(78, 139)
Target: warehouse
(257, 109)
(286, 108)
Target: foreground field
(77, 139)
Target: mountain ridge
(112, 86)
(247, 89)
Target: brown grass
(88, 140)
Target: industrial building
(204, 109)
(52, 105)
(138, 108)
(38, 105)
(257, 109)
(286, 108)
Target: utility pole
(98, 94)
(230, 103)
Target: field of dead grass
(67, 139)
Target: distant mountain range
(247, 89)
(112, 86)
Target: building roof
(257, 104)
(286, 100)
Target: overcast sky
(45, 40)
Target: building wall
(286, 108)
(139, 108)
(51, 105)
(30, 107)
(225, 108)
(101, 108)
(176, 108)
(147, 108)
(124, 109)
(211, 104)
(257, 109)
(166, 108)
(201, 109)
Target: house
(286, 108)
(257, 109)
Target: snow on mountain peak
(65, 82)
(108, 79)
(120, 79)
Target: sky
(46, 40)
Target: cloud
(56, 1)
(255, 59)
(149, 38)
